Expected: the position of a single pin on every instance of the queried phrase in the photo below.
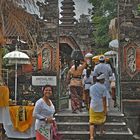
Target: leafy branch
(104, 11)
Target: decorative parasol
(88, 55)
(110, 53)
(113, 55)
(96, 58)
(114, 44)
(17, 57)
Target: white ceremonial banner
(44, 80)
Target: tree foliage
(103, 12)
(138, 9)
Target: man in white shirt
(103, 68)
(98, 93)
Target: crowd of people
(91, 85)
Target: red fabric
(27, 68)
(39, 136)
(39, 62)
(56, 135)
(138, 59)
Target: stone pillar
(129, 61)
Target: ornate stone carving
(46, 59)
(131, 60)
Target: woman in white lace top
(44, 110)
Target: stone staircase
(76, 126)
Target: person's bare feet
(102, 133)
(91, 138)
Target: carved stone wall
(83, 33)
(129, 61)
(46, 53)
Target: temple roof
(68, 2)
(67, 12)
(51, 1)
(67, 18)
(67, 7)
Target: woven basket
(77, 55)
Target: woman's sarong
(44, 133)
(48, 133)
(76, 97)
(96, 117)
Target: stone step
(109, 135)
(113, 118)
(84, 117)
(76, 126)
(84, 126)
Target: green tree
(103, 12)
(138, 9)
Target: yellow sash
(21, 117)
(4, 96)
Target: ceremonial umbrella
(110, 53)
(114, 44)
(96, 58)
(17, 57)
(113, 55)
(88, 55)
